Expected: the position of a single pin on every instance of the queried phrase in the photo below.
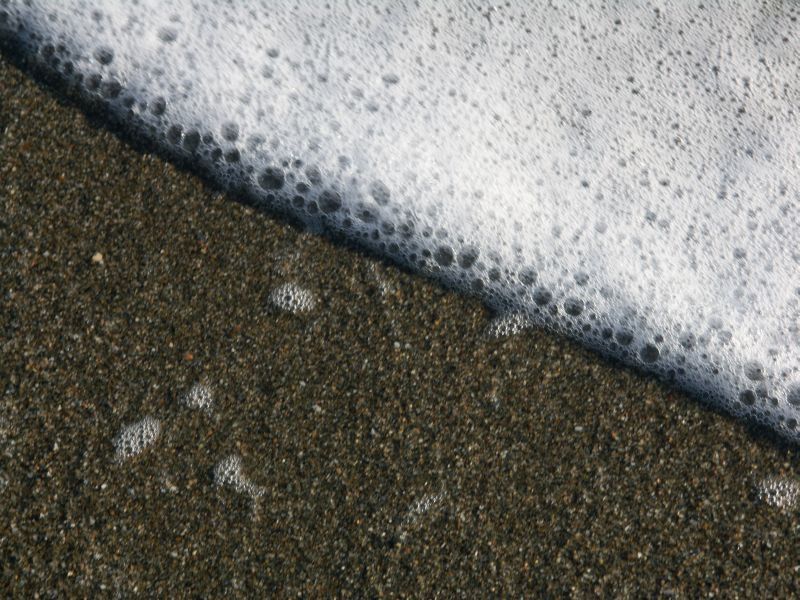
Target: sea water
(625, 173)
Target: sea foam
(623, 173)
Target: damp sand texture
(356, 432)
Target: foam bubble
(229, 473)
(626, 175)
(421, 507)
(290, 297)
(199, 397)
(136, 437)
(779, 492)
(505, 325)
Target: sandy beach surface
(379, 443)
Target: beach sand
(391, 447)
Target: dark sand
(400, 451)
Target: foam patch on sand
(624, 174)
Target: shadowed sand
(396, 449)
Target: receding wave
(624, 174)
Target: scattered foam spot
(292, 298)
(421, 507)
(384, 285)
(229, 473)
(508, 324)
(136, 437)
(199, 396)
(779, 492)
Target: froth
(626, 176)
(199, 396)
(290, 297)
(779, 492)
(229, 473)
(136, 437)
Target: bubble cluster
(229, 473)
(418, 509)
(199, 397)
(509, 324)
(136, 437)
(779, 492)
(624, 174)
(290, 297)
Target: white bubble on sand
(134, 438)
(508, 324)
(229, 473)
(385, 286)
(419, 508)
(779, 492)
(199, 397)
(290, 297)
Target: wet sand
(399, 451)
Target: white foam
(420, 508)
(626, 174)
(290, 297)
(508, 324)
(229, 473)
(779, 492)
(199, 397)
(136, 437)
